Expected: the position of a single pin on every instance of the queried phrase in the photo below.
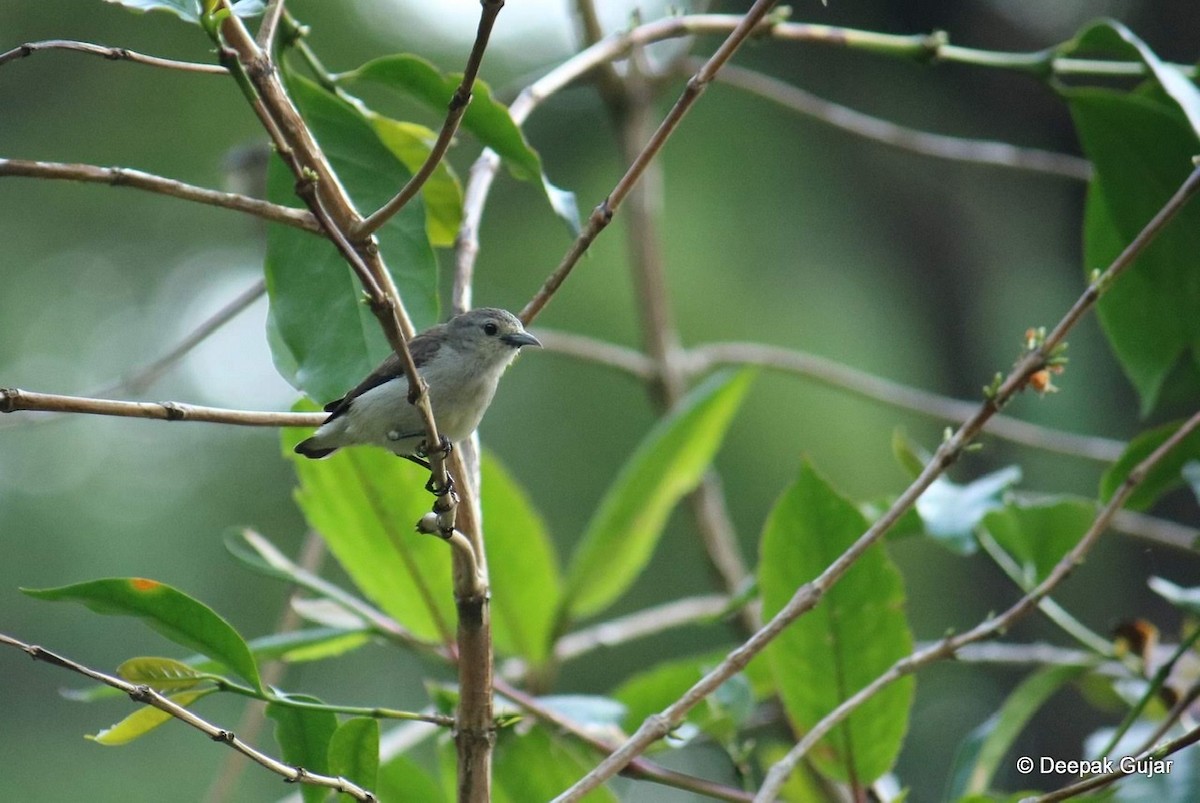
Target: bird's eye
(490, 329)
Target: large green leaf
(1037, 536)
(442, 193)
(170, 612)
(526, 586)
(1141, 144)
(855, 634)
(485, 117)
(1166, 474)
(304, 735)
(365, 503)
(354, 751)
(670, 461)
(329, 339)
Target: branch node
(174, 410)
(224, 736)
(8, 399)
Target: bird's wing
(422, 347)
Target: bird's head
(493, 335)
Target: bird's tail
(312, 449)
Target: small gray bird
(461, 361)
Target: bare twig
(640, 624)
(989, 628)
(148, 696)
(127, 177)
(808, 595)
(458, 107)
(110, 53)
(603, 214)
(13, 399)
(269, 25)
(704, 358)
(835, 374)
(939, 146)
(140, 379)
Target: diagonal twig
(939, 146)
(989, 628)
(128, 177)
(110, 53)
(148, 696)
(810, 594)
(454, 115)
(14, 399)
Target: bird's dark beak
(518, 339)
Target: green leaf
(144, 720)
(1141, 147)
(980, 754)
(670, 461)
(1166, 475)
(559, 762)
(951, 512)
(442, 193)
(855, 634)
(354, 751)
(1110, 37)
(328, 337)
(168, 611)
(365, 502)
(189, 10)
(304, 736)
(1037, 536)
(525, 578)
(295, 647)
(485, 117)
(161, 674)
(401, 778)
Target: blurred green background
(776, 229)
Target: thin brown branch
(148, 696)
(704, 358)
(127, 177)
(139, 380)
(894, 394)
(648, 622)
(14, 399)
(939, 146)
(602, 215)
(810, 594)
(458, 107)
(269, 25)
(991, 627)
(110, 53)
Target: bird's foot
(439, 490)
(445, 447)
